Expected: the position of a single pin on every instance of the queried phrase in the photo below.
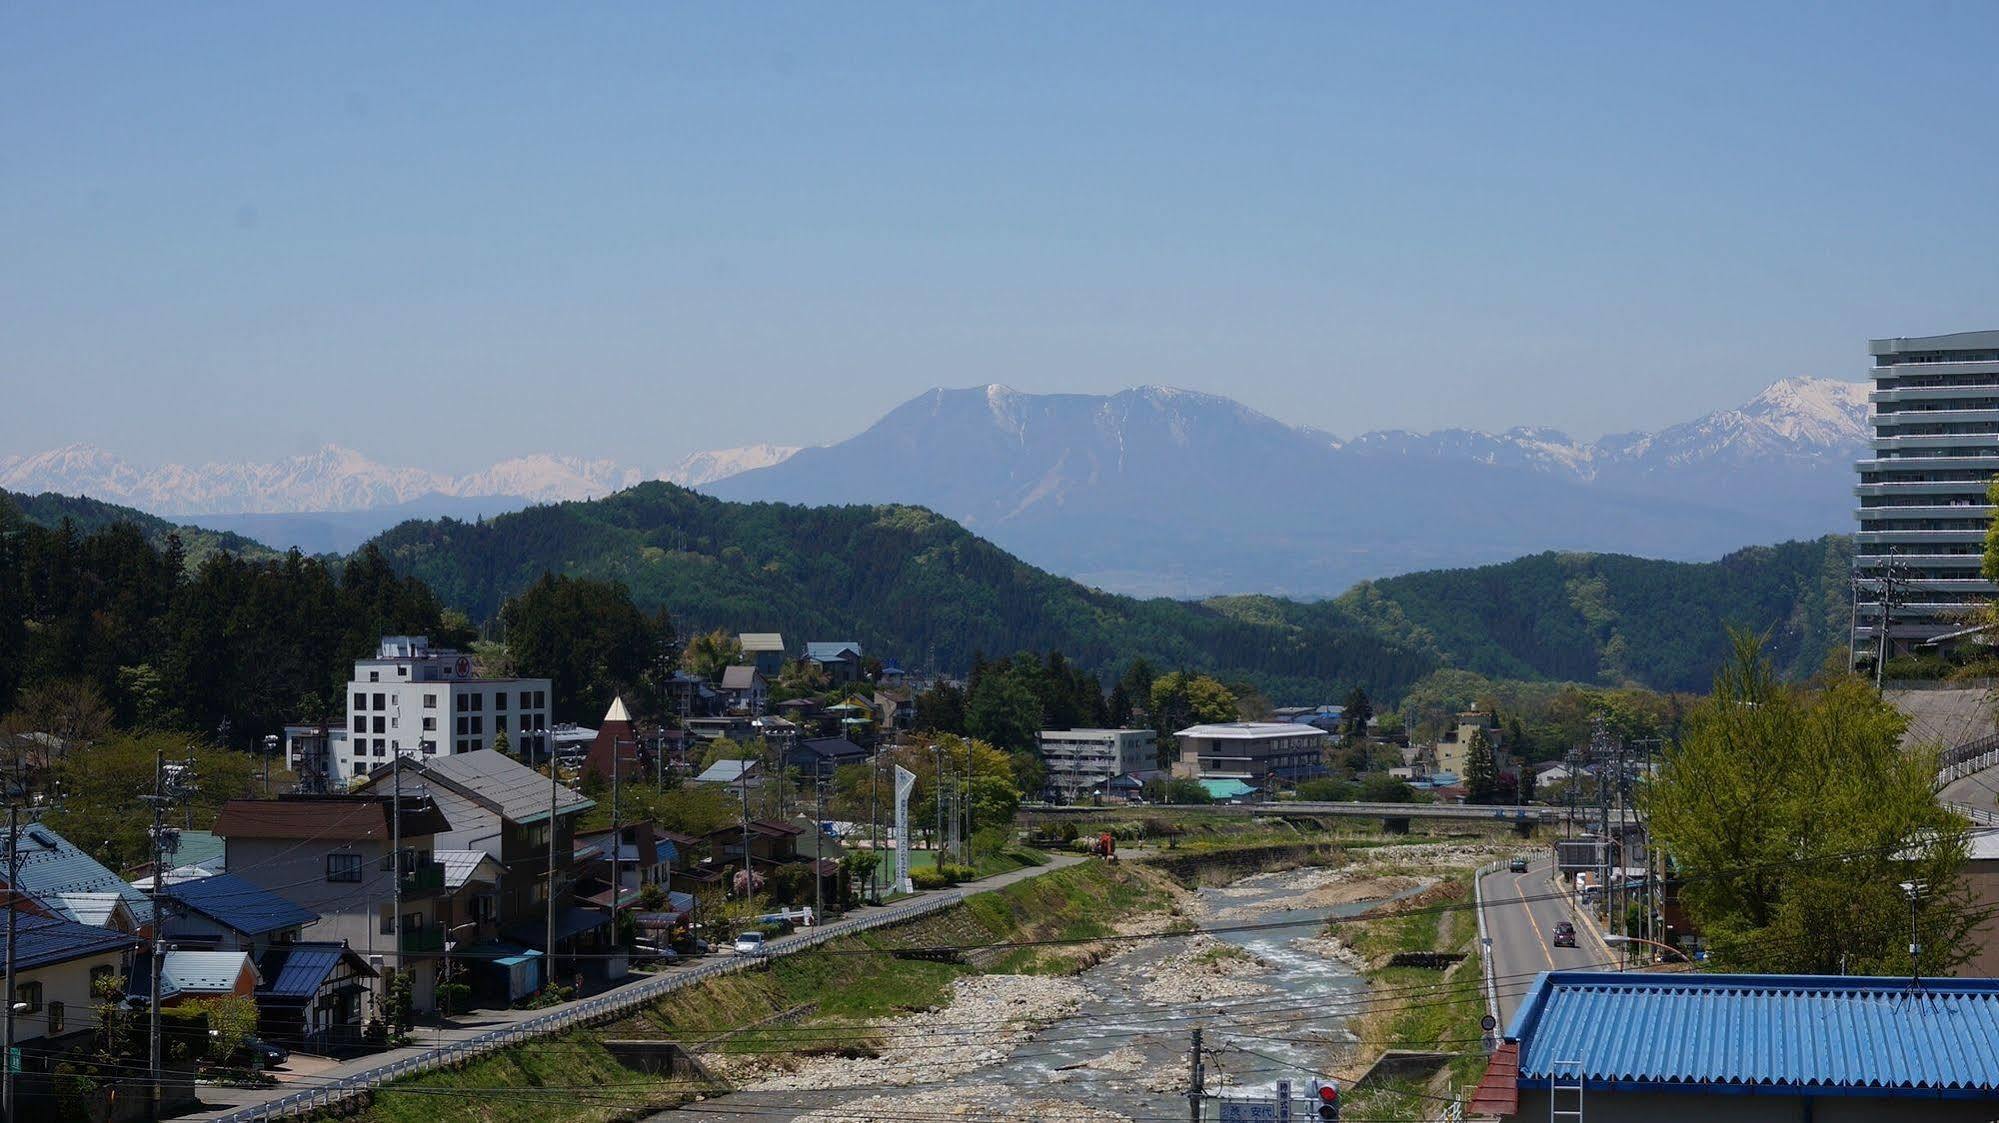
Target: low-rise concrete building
(1263, 754)
(1080, 761)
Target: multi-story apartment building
(1080, 759)
(1923, 510)
(1262, 754)
(421, 701)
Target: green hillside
(902, 581)
(90, 515)
(1612, 619)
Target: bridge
(1393, 816)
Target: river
(1122, 1049)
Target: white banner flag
(905, 782)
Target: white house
(1080, 759)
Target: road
(1521, 910)
(1979, 790)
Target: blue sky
(443, 234)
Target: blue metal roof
(1812, 1033)
(42, 940)
(832, 651)
(249, 909)
(297, 970)
(50, 864)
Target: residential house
(839, 659)
(73, 885)
(732, 727)
(764, 650)
(189, 976)
(744, 690)
(335, 855)
(690, 695)
(58, 964)
(1638, 1047)
(1981, 877)
(1262, 754)
(821, 756)
(195, 854)
(1081, 761)
(732, 772)
(497, 805)
(311, 997)
(230, 913)
(896, 707)
(772, 842)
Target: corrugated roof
(725, 771)
(521, 793)
(761, 641)
(345, 818)
(199, 848)
(250, 909)
(460, 865)
(1227, 789)
(833, 651)
(739, 678)
(296, 971)
(43, 940)
(1790, 1030)
(203, 972)
(94, 909)
(50, 865)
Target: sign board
(905, 782)
(1276, 1109)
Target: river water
(1125, 1052)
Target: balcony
(425, 878)
(423, 940)
(1908, 511)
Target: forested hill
(904, 582)
(88, 515)
(1610, 618)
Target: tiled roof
(50, 864)
(1879, 1035)
(240, 905)
(42, 940)
(520, 793)
(296, 971)
(341, 818)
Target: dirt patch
(987, 1017)
(1206, 968)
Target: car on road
(1564, 935)
(255, 1052)
(750, 943)
(1517, 865)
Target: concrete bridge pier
(1395, 824)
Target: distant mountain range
(1151, 490)
(1170, 492)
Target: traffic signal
(1328, 1094)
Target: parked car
(750, 943)
(1564, 934)
(1517, 865)
(257, 1053)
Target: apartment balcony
(1976, 463)
(1885, 489)
(1918, 537)
(425, 878)
(423, 941)
(1895, 394)
(1926, 511)
(1970, 562)
(1967, 415)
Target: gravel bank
(991, 1103)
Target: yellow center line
(1533, 925)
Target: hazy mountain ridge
(1164, 491)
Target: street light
(1614, 938)
(450, 943)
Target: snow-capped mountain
(700, 468)
(1155, 490)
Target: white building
(1079, 759)
(1262, 754)
(421, 701)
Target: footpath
(310, 1087)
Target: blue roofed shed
(1722, 1047)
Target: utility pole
(553, 785)
(874, 823)
(13, 895)
(749, 871)
(159, 802)
(937, 843)
(1196, 1078)
(396, 856)
(617, 834)
(818, 848)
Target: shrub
(957, 873)
(927, 878)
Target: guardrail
(1485, 943)
(1959, 761)
(586, 1012)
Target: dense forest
(86, 515)
(903, 582)
(169, 643)
(1611, 619)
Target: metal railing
(1485, 943)
(571, 1016)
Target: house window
(55, 1019)
(538, 834)
(376, 676)
(478, 725)
(388, 922)
(430, 725)
(360, 701)
(380, 702)
(429, 701)
(477, 702)
(360, 724)
(100, 979)
(527, 699)
(499, 699)
(381, 725)
(539, 701)
(29, 995)
(360, 768)
(413, 922)
(463, 723)
(430, 746)
(343, 867)
(464, 703)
